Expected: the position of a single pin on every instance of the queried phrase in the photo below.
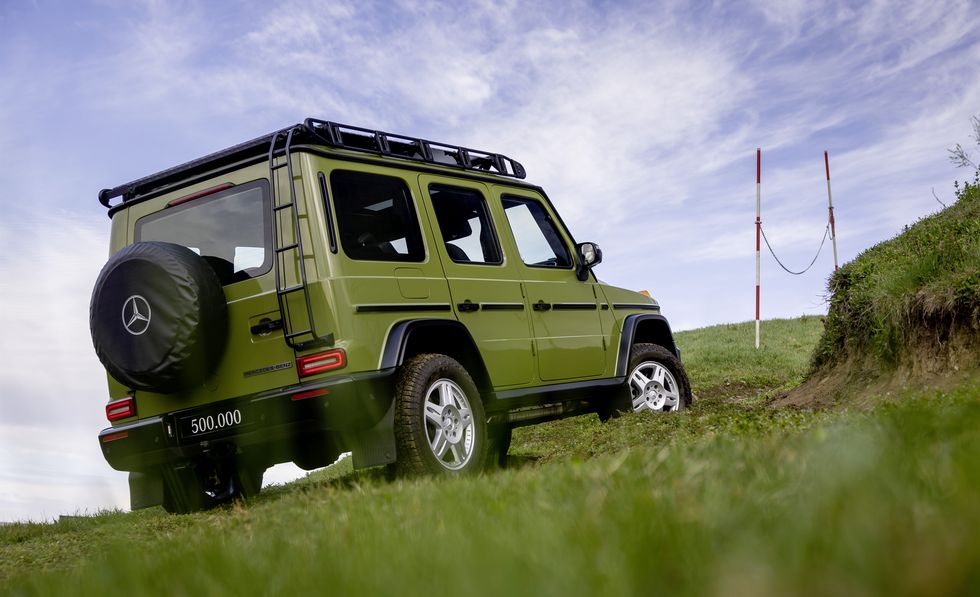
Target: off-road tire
(644, 353)
(417, 378)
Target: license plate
(211, 422)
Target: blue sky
(640, 119)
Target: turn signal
(120, 409)
(321, 362)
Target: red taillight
(321, 362)
(200, 194)
(120, 409)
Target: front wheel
(440, 427)
(657, 381)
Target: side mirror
(589, 255)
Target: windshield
(229, 229)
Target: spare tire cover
(158, 317)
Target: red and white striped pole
(758, 233)
(830, 208)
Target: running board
(517, 417)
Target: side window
(376, 217)
(465, 224)
(537, 238)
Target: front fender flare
(653, 327)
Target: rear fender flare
(444, 336)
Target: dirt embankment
(862, 381)
(904, 315)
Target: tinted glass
(229, 229)
(376, 217)
(537, 238)
(465, 225)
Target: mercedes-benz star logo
(136, 315)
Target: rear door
(231, 229)
(484, 280)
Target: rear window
(229, 229)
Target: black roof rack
(336, 135)
(344, 136)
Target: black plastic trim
(407, 307)
(642, 306)
(328, 213)
(157, 440)
(629, 331)
(561, 388)
(394, 351)
(502, 306)
(573, 306)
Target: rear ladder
(305, 336)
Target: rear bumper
(272, 423)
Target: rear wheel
(440, 427)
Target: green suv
(329, 288)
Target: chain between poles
(826, 232)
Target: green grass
(729, 497)
(921, 287)
(725, 355)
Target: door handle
(542, 306)
(266, 326)
(468, 306)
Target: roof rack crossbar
(355, 138)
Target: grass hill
(905, 313)
(730, 497)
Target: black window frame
(328, 212)
(556, 229)
(491, 227)
(414, 221)
(267, 232)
